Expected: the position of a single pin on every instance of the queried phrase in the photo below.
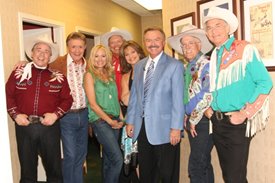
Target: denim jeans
(112, 155)
(199, 167)
(74, 135)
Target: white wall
(5, 158)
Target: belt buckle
(34, 119)
(219, 115)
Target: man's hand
(49, 119)
(209, 112)
(22, 120)
(236, 117)
(19, 64)
(175, 136)
(193, 130)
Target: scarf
(27, 71)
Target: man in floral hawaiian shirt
(193, 44)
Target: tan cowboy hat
(115, 31)
(224, 14)
(32, 38)
(190, 30)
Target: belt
(77, 110)
(220, 115)
(110, 116)
(33, 119)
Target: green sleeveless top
(106, 98)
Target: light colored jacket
(165, 109)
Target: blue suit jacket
(164, 109)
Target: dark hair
(155, 29)
(125, 66)
(76, 35)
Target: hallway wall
(262, 150)
(95, 15)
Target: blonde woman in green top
(104, 110)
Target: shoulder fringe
(259, 120)
(236, 70)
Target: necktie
(148, 79)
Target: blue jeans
(74, 135)
(199, 167)
(112, 155)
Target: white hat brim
(223, 14)
(174, 41)
(30, 43)
(123, 33)
(43, 35)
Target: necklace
(107, 84)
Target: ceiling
(136, 8)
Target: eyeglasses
(189, 44)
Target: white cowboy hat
(32, 38)
(190, 30)
(224, 14)
(115, 31)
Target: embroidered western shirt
(199, 97)
(237, 76)
(75, 73)
(46, 91)
(239, 80)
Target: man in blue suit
(156, 111)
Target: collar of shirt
(197, 57)
(156, 60)
(227, 43)
(115, 57)
(70, 60)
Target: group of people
(153, 97)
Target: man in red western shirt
(36, 98)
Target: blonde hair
(108, 70)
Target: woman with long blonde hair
(104, 110)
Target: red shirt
(116, 64)
(46, 91)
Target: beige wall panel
(262, 150)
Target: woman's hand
(130, 130)
(116, 124)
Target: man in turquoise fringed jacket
(240, 85)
